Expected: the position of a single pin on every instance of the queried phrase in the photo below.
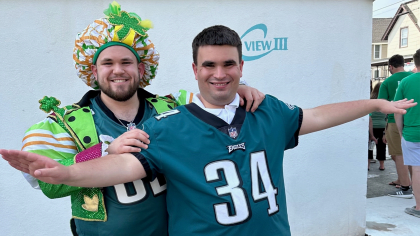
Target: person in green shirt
(377, 123)
(387, 92)
(409, 130)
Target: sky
(386, 8)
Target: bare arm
(331, 115)
(106, 171)
(371, 136)
(399, 121)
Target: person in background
(387, 92)
(377, 123)
(409, 130)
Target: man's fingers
(19, 167)
(132, 143)
(132, 149)
(258, 98)
(249, 101)
(241, 101)
(143, 136)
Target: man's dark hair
(217, 35)
(396, 61)
(416, 58)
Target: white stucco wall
(328, 58)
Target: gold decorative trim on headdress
(118, 26)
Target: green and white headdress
(117, 28)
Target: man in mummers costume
(115, 56)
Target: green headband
(110, 44)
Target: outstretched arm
(106, 171)
(330, 115)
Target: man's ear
(194, 66)
(141, 69)
(241, 66)
(94, 70)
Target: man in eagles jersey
(118, 64)
(224, 173)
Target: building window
(376, 73)
(377, 52)
(404, 37)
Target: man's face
(118, 73)
(218, 72)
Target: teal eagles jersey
(135, 208)
(223, 179)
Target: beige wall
(413, 37)
(384, 50)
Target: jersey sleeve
(291, 117)
(47, 138)
(149, 157)
(383, 91)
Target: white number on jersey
(240, 204)
(259, 171)
(166, 114)
(124, 198)
(259, 175)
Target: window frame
(380, 51)
(401, 38)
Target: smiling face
(118, 73)
(218, 71)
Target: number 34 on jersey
(260, 176)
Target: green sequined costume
(70, 130)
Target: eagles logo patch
(232, 148)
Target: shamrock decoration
(128, 23)
(49, 103)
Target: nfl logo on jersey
(232, 132)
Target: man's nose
(118, 69)
(220, 72)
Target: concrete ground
(385, 215)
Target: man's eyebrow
(106, 59)
(127, 59)
(207, 63)
(230, 62)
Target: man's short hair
(396, 61)
(416, 58)
(217, 35)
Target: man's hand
(384, 139)
(398, 107)
(101, 172)
(40, 167)
(128, 142)
(372, 138)
(253, 97)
